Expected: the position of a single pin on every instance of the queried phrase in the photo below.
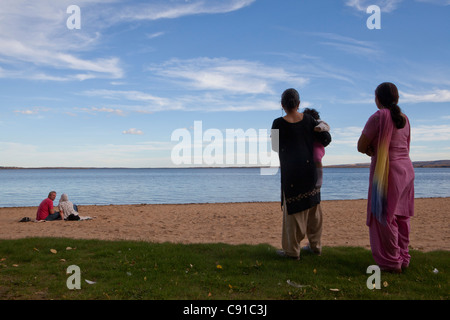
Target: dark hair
(387, 95)
(313, 112)
(290, 99)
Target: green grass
(124, 270)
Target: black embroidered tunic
(298, 171)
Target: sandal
(310, 250)
(283, 254)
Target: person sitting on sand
(318, 148)
(46, 211)
(67, 208)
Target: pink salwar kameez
(389, 228)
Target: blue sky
(112, 93)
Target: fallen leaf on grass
(296, 285)
(53, 251)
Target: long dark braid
(387, 94)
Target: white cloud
(219, 102)
(128, 95)
(155, 35)
(95, 110)
(205, 102)
(38, 55)
(133, 131)
(346, 136)
(227, 85)
(385, 5)
(343, 150)
(28, 112)
(148, 103)
(430, 133)
(175, 9)
(438, 2)
(425, 153)
(236, 76)
(350, 135)
(145, 154)
(36, 33)
(33, 111)
(437, 95)
(349, 45)
(388, 5)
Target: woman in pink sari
(386, 139)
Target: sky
(125, 83)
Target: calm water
(27, 187)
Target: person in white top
(66, 207)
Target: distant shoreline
(416, 164)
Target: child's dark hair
(312, 112)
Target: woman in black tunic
(300, 199)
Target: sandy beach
(232, 223)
